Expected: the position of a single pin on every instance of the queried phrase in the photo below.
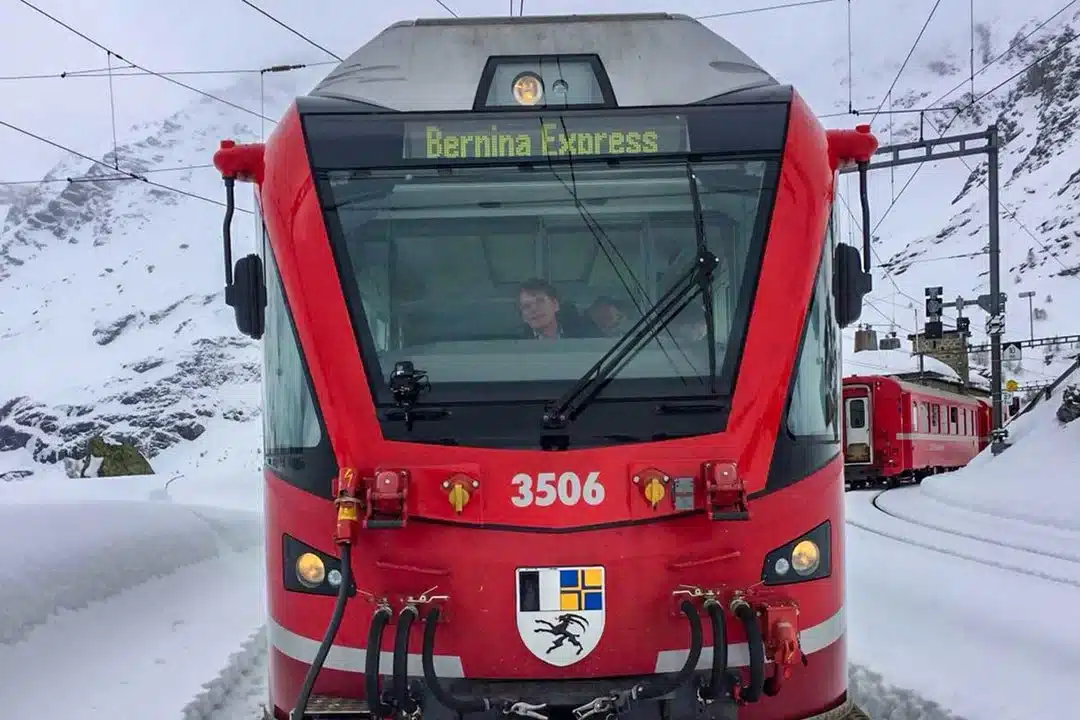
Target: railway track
(1068, 560)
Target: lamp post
(1031, 312)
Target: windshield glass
(504, 282)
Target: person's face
(537, 309)
(607, 317)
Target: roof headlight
(527, 88)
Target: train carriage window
(924, 417)
(954, 428)
(935, 418)
(857, 414)
(914, 416)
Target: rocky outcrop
(1070, 404)
(105, 459)
(160, 404)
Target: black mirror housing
(850, 284)
(247, 296)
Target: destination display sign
(546, 137)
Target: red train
(897, 431)
(552, 371)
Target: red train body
(643, 535)
(897, 431)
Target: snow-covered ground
(953, 584)
(957, 590)
(142, 598)
(111, 320)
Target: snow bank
(893, 362)
(1035, 480)
(70, 554)
(173, 647)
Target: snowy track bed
(153, 649)
(914, 506)
(984, 546)
(964, 634)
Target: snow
(893, 362)
(952, 582)
(954, 586)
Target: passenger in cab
(546, 318)
(610, 316)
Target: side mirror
(850, 284)
(247, 296)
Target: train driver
(546, 318)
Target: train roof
(914, 387)
(433, 65)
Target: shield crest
(560, 612)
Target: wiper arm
(704, 279)
(698, 276)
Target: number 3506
(566, 488)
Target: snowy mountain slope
(110, 297)
(111, 309)
(936, 234)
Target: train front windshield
(507, 282)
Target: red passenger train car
(897, 431)
(550, 309)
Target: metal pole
(995, 290)
(918, 345)
(1031, 313)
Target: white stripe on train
(352, 659)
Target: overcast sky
(806, 46)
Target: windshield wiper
(704, 279)
(694, 280)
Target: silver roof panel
(435, 65)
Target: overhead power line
(748, 11)
(906, 59)
(131, 175)
(956, 116)
(132, 71)
(295, 32)
(111, 53)
(103, 178)
(446, 8)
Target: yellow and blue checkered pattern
(581, 589)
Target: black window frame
(797, 456)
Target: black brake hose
(718, 680)
(379, 621)
(648, 691)
(746, 615)
(401, 660)
(328, 638)
(427, 656)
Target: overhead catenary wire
(445, 7)
(132, 175)
(132, 71)
(934, 106)
(906, 59)
(98, 45)
(103, 178)
(766, 8)
(294, 31)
